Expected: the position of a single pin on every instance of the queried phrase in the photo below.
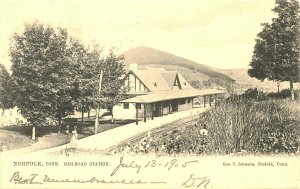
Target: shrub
(251, 93)
(286, 93)
(233, 126)
(68, 120)
(188, 140)
(264, 127)
(254, 94)
(279, 137)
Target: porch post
(204, 101)
(145, 106)
(169, 107)
(216, 98)
(209, 100)
(152, 115)
(192, 101)
(136, 115)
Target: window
(182, 101)
(176, 82)
(138, 106)
(140, 86)
(154, 83)
(126, 105)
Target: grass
(15, 137)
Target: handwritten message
(125, 165)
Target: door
(174, 105)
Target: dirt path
(54, 143)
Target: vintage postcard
(149, 94)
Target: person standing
(74, 140)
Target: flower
(204, 132)
(4, 148)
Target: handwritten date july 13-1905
(172, 164)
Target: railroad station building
(156, 92)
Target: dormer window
(154, 83)
(184, 83)
(176, 82)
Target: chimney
(133, 67)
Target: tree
(6, 89)
(42, 70)
(85, 62)
(113, 90)
(276, 53)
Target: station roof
(171, 95)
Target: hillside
(199, 75)
(241, 76)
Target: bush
(254, 94)
(279, 137)
(189, 140)
(68, 120)
(264, 127)
(286, 93)
(171, 143)
(251, 93)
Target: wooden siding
(134, 83)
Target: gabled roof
(157, 79)
(183, 82)
(169, 77)
(153, 79)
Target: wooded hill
(198, 75)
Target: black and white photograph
(149, 94)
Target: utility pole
(33, 133)
(97, 110)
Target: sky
(217, 33)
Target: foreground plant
(233, 127)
